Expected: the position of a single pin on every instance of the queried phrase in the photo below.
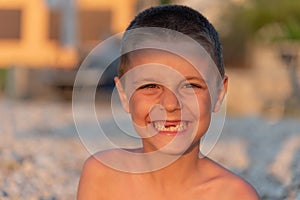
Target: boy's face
(168, 99)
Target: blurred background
(44, 42)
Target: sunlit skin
(161, 89)
(180, 99)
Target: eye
(193, 85)
(150, 89)
(149, 86)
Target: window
(93, 24)
(10, 23)
(54, 25)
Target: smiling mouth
(170, 127)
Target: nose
(169, 100)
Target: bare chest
(127, 190)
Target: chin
(172, 151)
(179, 150)
(174, 147)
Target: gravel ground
(41, 154)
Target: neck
(178, 170)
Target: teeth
(161, 127)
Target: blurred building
(54, 33)
(43, 42)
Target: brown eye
(149, 86)
(150, 89)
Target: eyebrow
(194, 78)
(146, 81)
(185, 78)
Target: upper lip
(170, 122)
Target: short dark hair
(181, 19)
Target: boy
(170, 86)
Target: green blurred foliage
(258, 20)
(3, 73)
(165, 1)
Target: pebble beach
(42, 156)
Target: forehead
(155, 60)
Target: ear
(122, 94)
(221, 94)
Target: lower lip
(170, 133)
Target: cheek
(205, 110)
(203, 115)
(199, 106)
(142, 103)
(139, 108)
(205, 105)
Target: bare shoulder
(95, 165)
(231, 185)
(238, 188)
(95, 176)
